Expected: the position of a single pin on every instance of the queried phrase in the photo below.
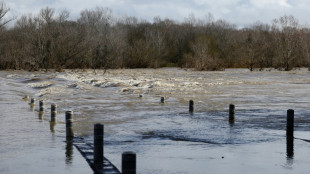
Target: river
(165, 136)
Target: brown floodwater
(165, 136)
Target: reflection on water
(289, 152)
(69, 150)
(40, 115)
(31, 108)
(52, 126)
(231, 123)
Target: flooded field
(165, 136)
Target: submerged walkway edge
(87, 151)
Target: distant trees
(98, 39)
(287, 36)
(203, 54)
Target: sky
(239, 12)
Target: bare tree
(286, 34)
(47, 15)
(97, 23)
(3, 12)
(202, 57)
(305, 45)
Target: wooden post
(191, 106)
(290, 123)
(69, 120)
(231, 113)
(162, 100)
(98, 144)
(129, 163)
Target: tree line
(97, 39)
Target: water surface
(166, 138)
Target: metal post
(191, 106)
(231, 113)
(290, 147)
(98, 144)
(32, 102)
(41, 106)
(41, 109)
(53, 107)
(69, 120)
(54, 117)
(162, 100)
(41, 103)
(129, 163)
(290, 123)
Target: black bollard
(41, 106)
(41, 113)
(69, 120)
(129, 163)
(41, 103)
(32, 102)
(162, 100)
(290, 147)
(231, 113)
(53, 117)
(98, 144)
(191, 106)
(290, 123)
(41, 109)
(53, 108)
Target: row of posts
(289, 123)
(191, 109)
(128, 158)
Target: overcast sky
(240, 12)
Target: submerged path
(87, 152)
